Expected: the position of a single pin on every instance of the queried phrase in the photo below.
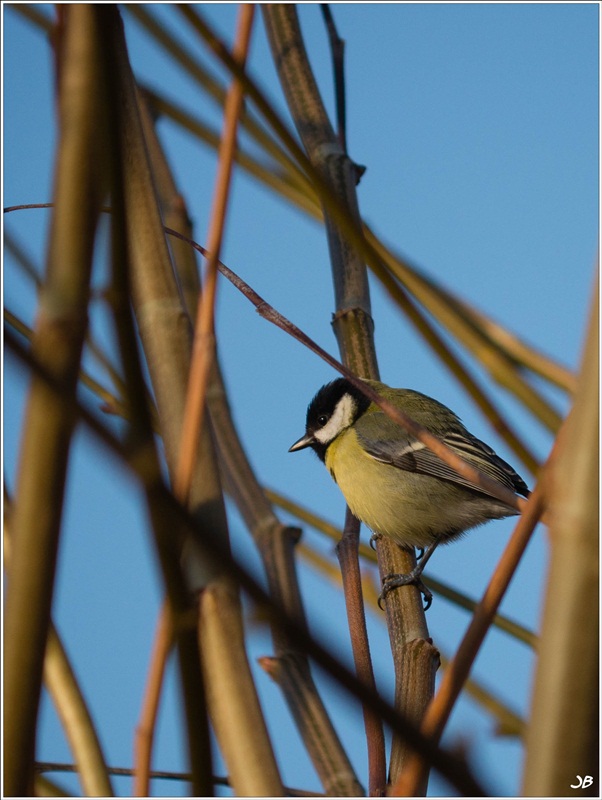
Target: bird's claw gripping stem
(393, 581)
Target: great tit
(393, 482)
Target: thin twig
(156, 774)
(204, 336)
(150, 705)
(337, 45)
(347, 553)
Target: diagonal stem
(204, 336)
(457, 463)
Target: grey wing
(406, 452)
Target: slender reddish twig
(145, 729)
(347, 553)
(204, 336)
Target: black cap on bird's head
(336, 406)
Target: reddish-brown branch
(204, 337)
(145, 730)
(347, 553)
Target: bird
(393, 482)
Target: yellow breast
(390, 501)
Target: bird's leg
(393, 581)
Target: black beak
(303, 442)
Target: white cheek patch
(342, 417)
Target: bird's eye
(322, 420)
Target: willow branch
(508, 722)
(58, 341)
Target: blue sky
(478, 125)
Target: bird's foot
(419, 553)
(393, 581)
